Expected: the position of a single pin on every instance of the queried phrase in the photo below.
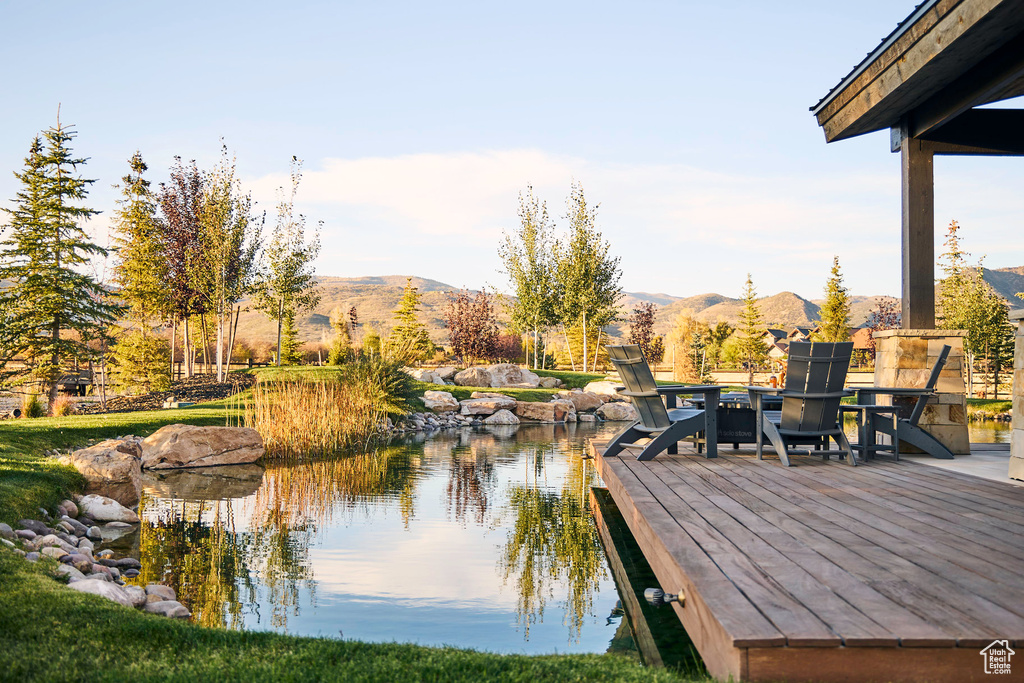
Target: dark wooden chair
(661, 425)
(905, 427)
(815, 375)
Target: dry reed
(302, 417)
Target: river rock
(617, 412)
(440, 401)
(487, 405)
(189, 446)
(104, 509)
(111, 468)
(204, 483)
(70, 571)
(70, 509)
(168, 608)
(35, 525)
(473, 377)
(82, 563)
(54, 552)
(502, 417)
(6, 532)
(137, 595)
(510, 375)
(160, 591)
(77, 528)
(25, 534)
(110, 591)
(33, 557)
(54, 541)
(604, 389)
(540, 412)
(94, 534)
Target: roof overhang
(944, 59)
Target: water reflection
(475, 538)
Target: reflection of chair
(815, 374)
(906, 428)
(663, 426)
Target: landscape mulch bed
(197, 389)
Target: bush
(140, 363)
(31, 406)
(64, 405)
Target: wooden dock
(823, 572)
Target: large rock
(188, 446)
(440, 401)
(446, 372)
(617, 412)
(161, 592)
(110, 591)
(605, 389)
(549, 382)
(585, 401)
(509, 375)
(473, 377)
(424, 375)
(540, 412)
(104, 509)
(487, 405)
(168, 608)
(568, 407)
(204, 483)
(111, 468)
(502, 417)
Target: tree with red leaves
(472, 328)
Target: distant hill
(376, 297)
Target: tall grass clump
(63, 406)
(31, 406)
(314, 415)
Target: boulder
(509, 375)
(550, 382)
(440, 401)
(180, 445)
(473, 377)
(540, 412)
(585, 401)
(104, 509)
(487, 405)
(168, 608)
(160, 591)
(605, 389)
(70, 509)
(110, 591)
(111, 468)
(502, 417)
(617, 412)
(6, 532)
(137, 595)
(587, 417)
(568, 407)
(204, 483)
(71, 572)
(446, 372)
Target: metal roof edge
(886, 43)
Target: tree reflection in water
(533, 484)
(552, 541)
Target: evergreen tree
(752, 349)
(409, 340)
(586, 275)
(288, 284)
(526, 256)
(49, 305)
(341, 344)
(835, 312)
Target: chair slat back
(933, 379)
(814, 368)
(636, 375)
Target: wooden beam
(918, 234)
(978, 85)
(995, 132)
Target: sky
(420, 123)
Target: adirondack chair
(906, 428)
(663, 424)
(815, 374)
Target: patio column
(905, 358)
(1017, 437)
(918, 192)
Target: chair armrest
(896, 391)
(675, 389)
(764, 390)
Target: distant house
(779, 350)
(801, 333)
(861, 338)
(773, 336)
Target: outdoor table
(867, 437)
(736, 419)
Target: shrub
(64, 405)
(31, 406)
(508, 348)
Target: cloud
(678, 228)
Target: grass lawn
(987, 407)
(50, 633)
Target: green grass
(572, 380)
(51, 633)
(987, 408)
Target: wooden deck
(824, 572)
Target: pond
(478, 539)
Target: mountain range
(376, 297)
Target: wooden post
(918, 234)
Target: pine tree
(341, 344)
(752, 349)
(49, 305)
(409, 340)
(835, 312)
